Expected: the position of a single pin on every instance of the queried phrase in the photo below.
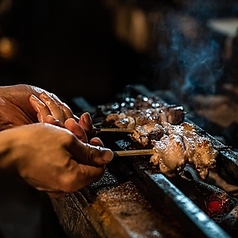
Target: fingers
(57, 162)
(51, 120)
(76, 129)
(53, 105)
(78, 175)
(58, 109)
(96, 141)
(67, 111)
(50, 104)
(94, 155)
(86, 123)
(51, 110)
(40, 108)
(83, 129)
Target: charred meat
(169, 154)
(146, 122)
(144, 134)
(131, 117)
(180, 145)
(175, 142)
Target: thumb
(91, 154)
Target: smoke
(190, 55)
(202, 68)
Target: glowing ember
(217, 204)
(214, 206)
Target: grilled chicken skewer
(175, 142)
(179, 145)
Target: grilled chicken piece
(121, 120)
(203, 156)
(147, 122)
(144, 134)
(198, 150)
(171, 114)
(169, 154)
(175, 115)
(145, 116)
(178, 129)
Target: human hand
(51, 110)
(15, 108)
(48, 104)
(51, 158)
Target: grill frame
(99, 218)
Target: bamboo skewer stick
(128, 130)
(133, 152)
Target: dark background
(67, 47)
(71, 48)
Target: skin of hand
(49, 104)
(51, 110)
(25, 104)
(16, 110)
(48, 110)
(52, 159)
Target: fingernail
(87, 118)
(107, 154)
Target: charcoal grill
(133, 199)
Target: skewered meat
(147, 122)
(203, 154)
(171, 114)
(175, 142)
(169, 154)
(121, 120)
(144, 134)
(180, 145)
